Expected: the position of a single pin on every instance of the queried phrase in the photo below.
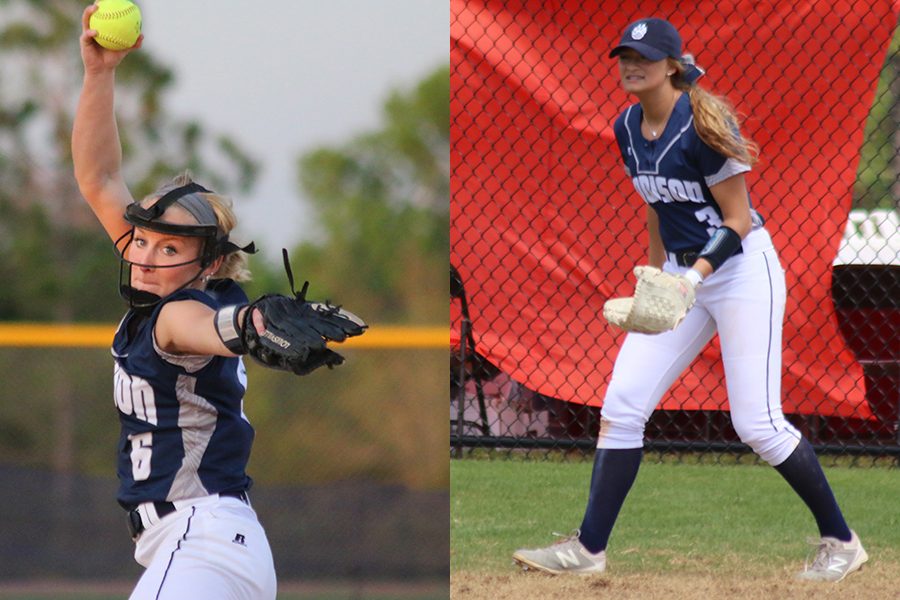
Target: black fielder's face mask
(213, 244)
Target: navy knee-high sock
(803, 471)
(614, 472)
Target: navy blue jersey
(184, 433)
(673, 175)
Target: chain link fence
(345, 492)
(546, 226)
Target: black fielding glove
(297, 332)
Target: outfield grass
(703, 518)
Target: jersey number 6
(141, 452)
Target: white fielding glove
(660, 302)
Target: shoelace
(566, 537)
(824, 550)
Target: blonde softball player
(179, 377)
(682, 150)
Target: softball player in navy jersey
(682, 149)
(185, 440)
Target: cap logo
(639, 31)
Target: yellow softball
(117, 23)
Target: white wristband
(694, 277)
(228, 328)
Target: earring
(206, 279)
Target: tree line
(381, 199)
(381, 205)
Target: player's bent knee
(773, 447)
(620, 435)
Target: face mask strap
(169, 198)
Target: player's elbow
(91, 183)
(741, 224)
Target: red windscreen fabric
(545, 226)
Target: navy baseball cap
(655, 39)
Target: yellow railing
(100, 336)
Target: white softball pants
(744, 302)
(208, 549)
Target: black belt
(136, 525)
(685, 258)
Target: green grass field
(695, 521)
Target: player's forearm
(656, 256)
(96, 150)
(740, 223)
(703, 266)
(656, 251)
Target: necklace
(654, 129)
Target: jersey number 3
(709, 216)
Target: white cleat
(565, 556)
(834, 559)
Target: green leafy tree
(390, 256)
(382, 201)
(878, 180)
(56, 253)
(58, 264)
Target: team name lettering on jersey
(134, 396)
(659, 189)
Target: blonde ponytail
(715, 120)
(234, 266)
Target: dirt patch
(874, 582)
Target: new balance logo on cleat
(834, 559)
(567, 556)
(837, 564)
